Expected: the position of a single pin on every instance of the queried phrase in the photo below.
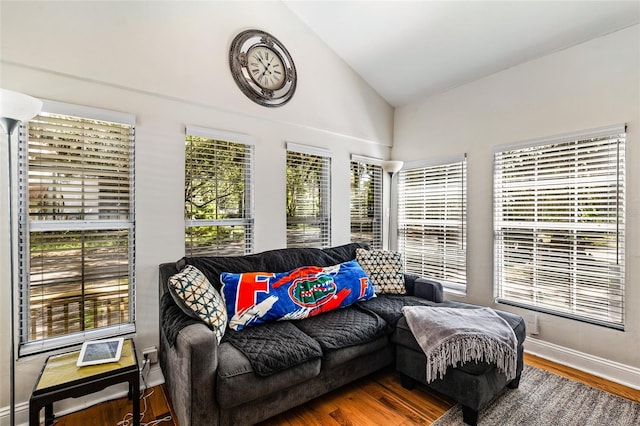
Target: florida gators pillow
(257, 297)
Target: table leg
(48, 414)
(135, 400)
(34, 413)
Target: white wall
(167, 63)
(587, 86)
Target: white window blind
(218, 193)
(559, 226)
(76, 227)
(366, 201)
(432, 221)
(308, 197)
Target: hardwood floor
(118, 411)
(378, 399)
(582, 377)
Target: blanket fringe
(463, 349)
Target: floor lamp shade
(18, 106)
(392, 166)
(14, 108)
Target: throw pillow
(384, 269)
(195, 295)
(257, 297)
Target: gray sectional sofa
(267, 369)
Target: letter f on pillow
(249, 285)
(364, 285)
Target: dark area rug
(546, 399)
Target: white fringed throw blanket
(449, 336)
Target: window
(308, 196)
(76, 226)
(218, 205)
(432, 221)
(366, 201)
(559, 226)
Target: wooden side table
(60, 379)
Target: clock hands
(259, 58)
(269, 73)
(266, 68)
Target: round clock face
(265, 67)
(262, 68)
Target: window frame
(322, 218)
(583, 142)
(376, 221)
(448, 269)
(26, 226)
(248, 220)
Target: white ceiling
(407, 50)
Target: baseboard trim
(154, 378)
(614, 371)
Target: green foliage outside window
(217, 184)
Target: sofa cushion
(384, 268)
(343, 327)
(389, 306)
(256, 297)
(194, 294)
(274, 346)
(237, 382)
(337, 357)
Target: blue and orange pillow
(256, 297)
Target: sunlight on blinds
(76, 226)
(559, 227)
(366, 203)
(432, 222)
(308, 200)
(218, 196)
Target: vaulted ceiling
(407, 50)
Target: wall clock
(262, 68)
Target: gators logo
(313, 290)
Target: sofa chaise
(245, 378)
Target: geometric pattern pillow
(384, 268)
(195, 295)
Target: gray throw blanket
(449, 336)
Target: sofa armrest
(428, 289)
(189, 368)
